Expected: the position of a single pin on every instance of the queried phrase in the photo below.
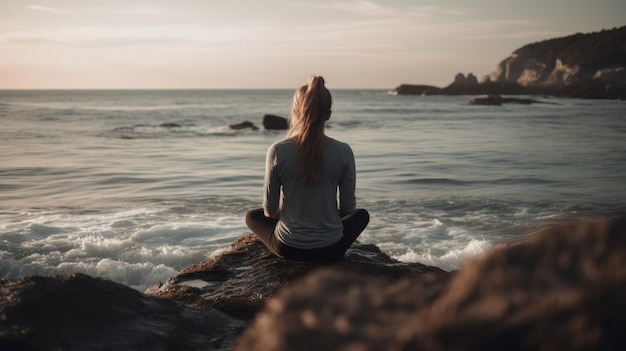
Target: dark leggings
(263, 227)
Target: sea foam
(450, 260)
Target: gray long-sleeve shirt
(310, 213)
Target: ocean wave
(136, 247)
(143, 131)
(451, 260)
(499, 181)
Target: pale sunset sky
(206, 44)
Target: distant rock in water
(409, 89)
(499, 100)
(563, 289)
(274, 122)
(243, 125)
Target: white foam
(137, 247)
(452, 259)
(196, 283)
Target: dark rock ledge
(240, 280)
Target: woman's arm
(271, 193)
(347, 185)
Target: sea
(135, 185)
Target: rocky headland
(591, 66)
(562, 288)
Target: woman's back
(310, 215)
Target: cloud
(361, 8)
(138, 10)
(365, 8)
(47, 9)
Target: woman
(303, 217)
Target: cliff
(569, 60)
(589, 65)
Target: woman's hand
(275, 215)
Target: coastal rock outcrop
(562, 289)
(565, 61)
(589, 65)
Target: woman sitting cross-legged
(309, 203)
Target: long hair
(311, 107)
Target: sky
(258, 44)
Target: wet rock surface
(78, 312)
(240, 280)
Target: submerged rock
(563, 289)
(240, 280)
(243, 125)
(78, 312)
(412, 89)
(498, 100)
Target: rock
(240, 280)
(408, 89)
(564, 288)
(274, 122)
(499, 100)
(570, 60)
(243, 125)
(461, 80)
(78, 312)
(588, 66)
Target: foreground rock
(77, 312)
(564, 289)
(241, 280)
